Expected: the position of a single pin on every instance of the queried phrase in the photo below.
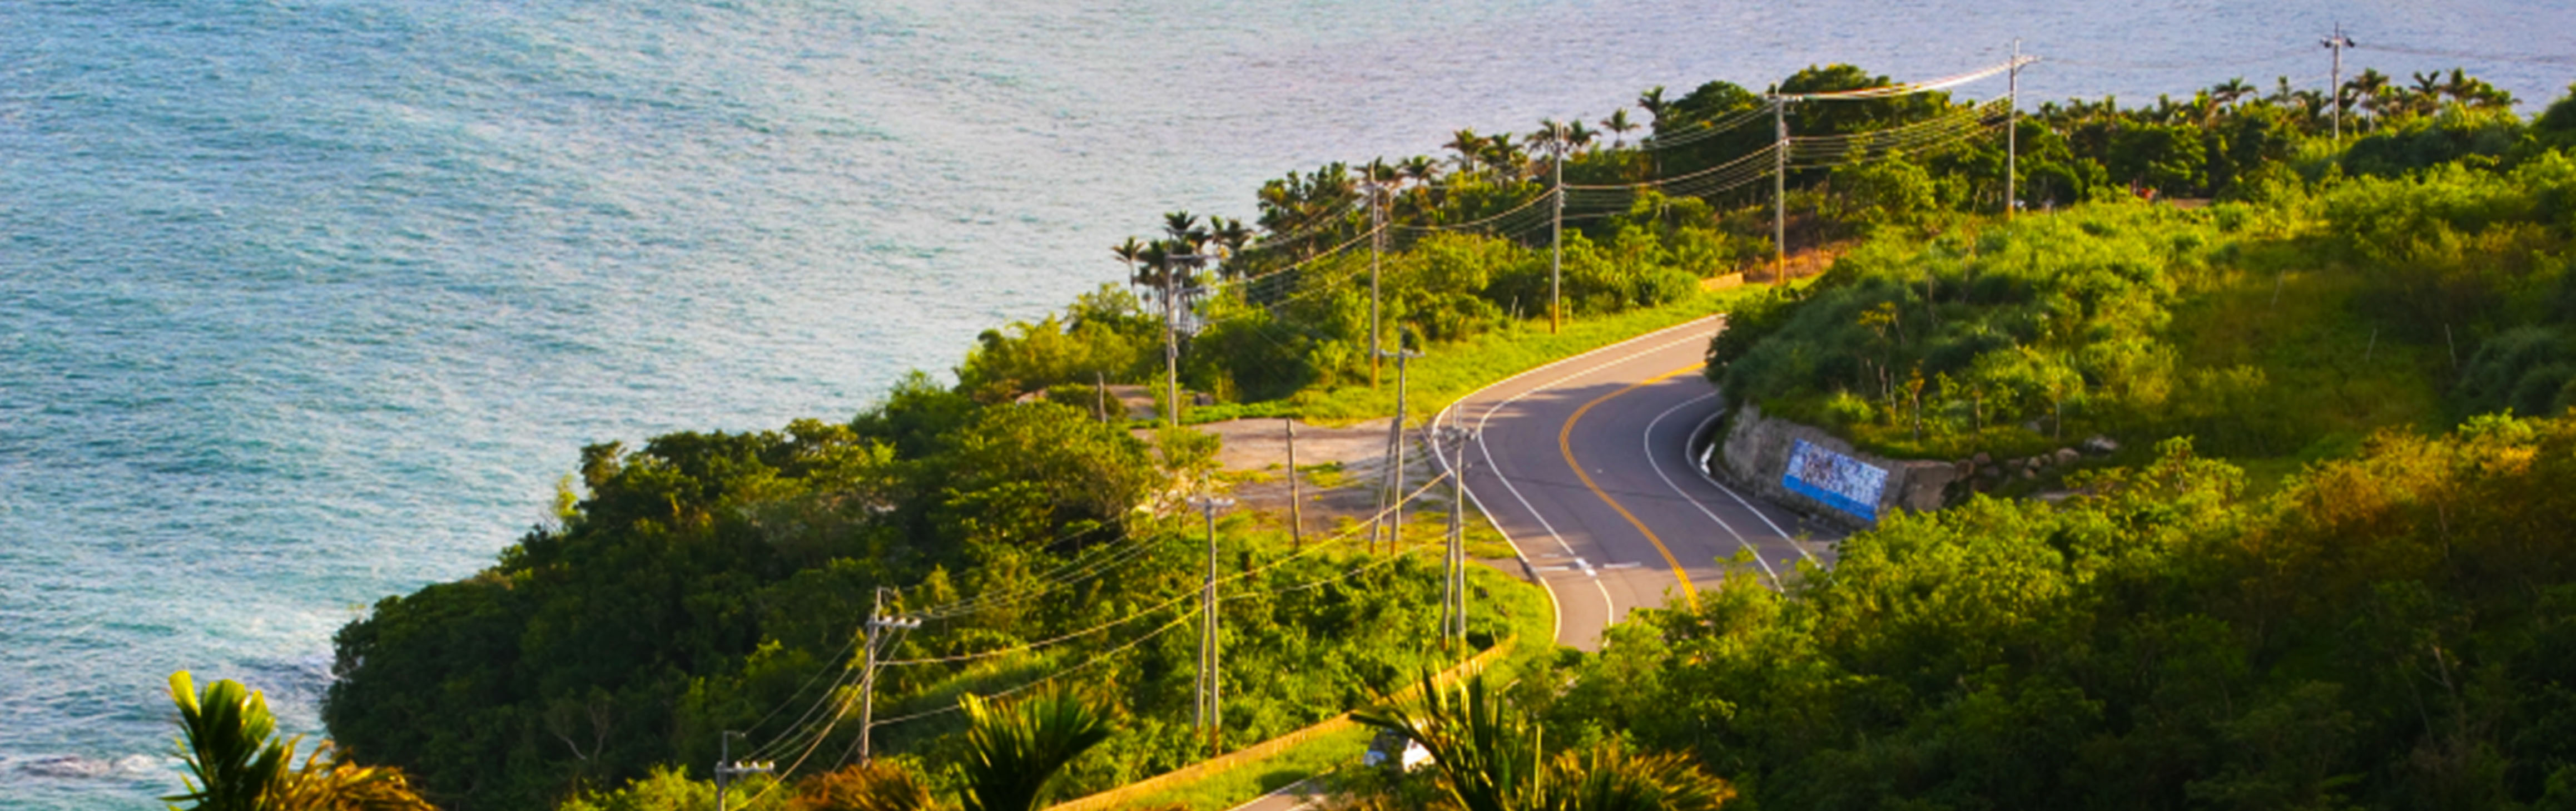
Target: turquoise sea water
(305, 303)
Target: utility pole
(1173, 265)
(2012, 133)
(2334, 84)
(1377, 235)
(1453, 582)
(1296, 500)
(728, 768)
(1780, 188)
(1556, 237)
(1171, 341)
(877, 625)
(1391, 496)
(1211, 709)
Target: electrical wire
(1043, 643)
(2531, 59)
(1131, 644)
(1910, 88)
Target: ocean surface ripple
(304, 303)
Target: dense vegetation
(2396, 630)
(2388, 629)
(705, 578)
(2415, 279)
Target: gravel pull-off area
(1339, 467)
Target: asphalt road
(1584, 465)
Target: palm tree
(1469, 146)
(1379, 171)
(2366, 89)
(1419, 170)
(1183, 226)
(1489, 760)
(1131, 252)
(1652, 101)
(227, 730)
(1607, 777)
(1578, 136)
(1014, 749)
(875, 786)
(1549, 134)
(1501, 153)
(2228, 93)
(239, 765)
(1229, 237)
(1619, 127)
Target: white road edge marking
(1739, 498)
(1740, 540)
(1452, 412)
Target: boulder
(1983, 459)
(2067, 456)
(2099, 445)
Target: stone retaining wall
(1754, 454)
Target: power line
(1043, 643)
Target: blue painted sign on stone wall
(1841, 482)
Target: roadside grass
(1500, 606)
(1239, 785)
(1447, 371)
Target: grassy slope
(1448, 371)
(2280, 306)
(1524, 607)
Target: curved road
(1583, 465)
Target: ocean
(304, 303)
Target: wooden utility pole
(1556, 237)
(2334, 80)
(1211, 708)
(1377, 233)
(2012, 133)
(1391, 492)
(1296, 499)
(728, 768)
(877, 625)
(1781, 189)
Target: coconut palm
(1131, 252)
(1183, 226)
(1469, 146)
(2228, 93)
(1419, 170)
(1380, 172)
(1578, 136)
(1549, 135)
(1619, 127)
(1652, 101)
(1228, 237)
(1501, 153)
(2367, 90)
(1014, 749)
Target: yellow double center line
(1564, 443)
